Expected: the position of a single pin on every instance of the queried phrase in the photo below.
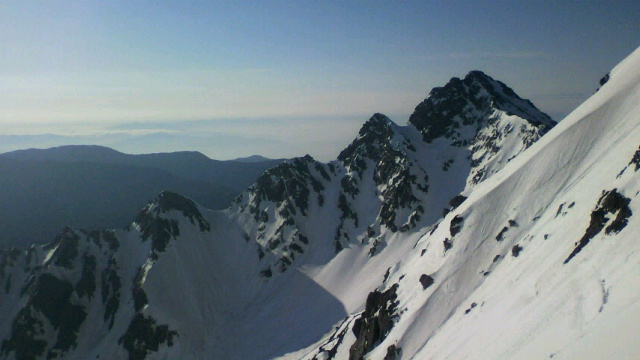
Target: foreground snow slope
(544, 257)
(539, 304)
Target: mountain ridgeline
(427, 240)
(390, 178)
(44, 190)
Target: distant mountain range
(44, 190)
(252, 158)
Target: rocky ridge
(380, 183)
(84, 283)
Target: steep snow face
(541, 260)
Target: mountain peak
(252, 159)
(169, 200)
(379, 124)
(478, 74)
(161, 229)
(481, 76)
(505, 99)
(376, 132)
(473, 102)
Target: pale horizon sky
(281, 78)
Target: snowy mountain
(391, 178)
(440, 239)
(540, 261)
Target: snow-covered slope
(541, 261)
(353, 259)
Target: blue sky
(282, 78)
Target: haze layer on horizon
(281, 79)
